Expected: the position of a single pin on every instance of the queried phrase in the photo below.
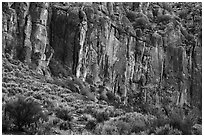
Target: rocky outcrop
(27, 23)
(121, 46)
(39, 36)
(95, 47)
(9, 28)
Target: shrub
(24, 111)
(101, 116)
(89, 110)
(63, 114)
(123, 127)
(85, 132)
(160, 121)
(109, 130)
(65, 125)
(182, 122)
(167, 130)
(55, 121)
(145, 132)
(98, 129)
(130, 123)
(91, 124)
(116, 113)
(44, 129)
(137, 121)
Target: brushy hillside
(102, 68)
(63, 111)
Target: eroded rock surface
(109, 52)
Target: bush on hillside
(167, 130)
(63, 113)
(24, 111)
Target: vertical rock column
(39, 16)
(22, 9)
(176, 60)
(27, 42)
(157, 60)
(130, 64)
(83, 29)
(9, 27)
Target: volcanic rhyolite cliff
(104, 50)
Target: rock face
(92, 45)
(39, 36)
(9, 28)
(27, 36)
(114, 44)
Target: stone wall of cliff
(124, 47)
